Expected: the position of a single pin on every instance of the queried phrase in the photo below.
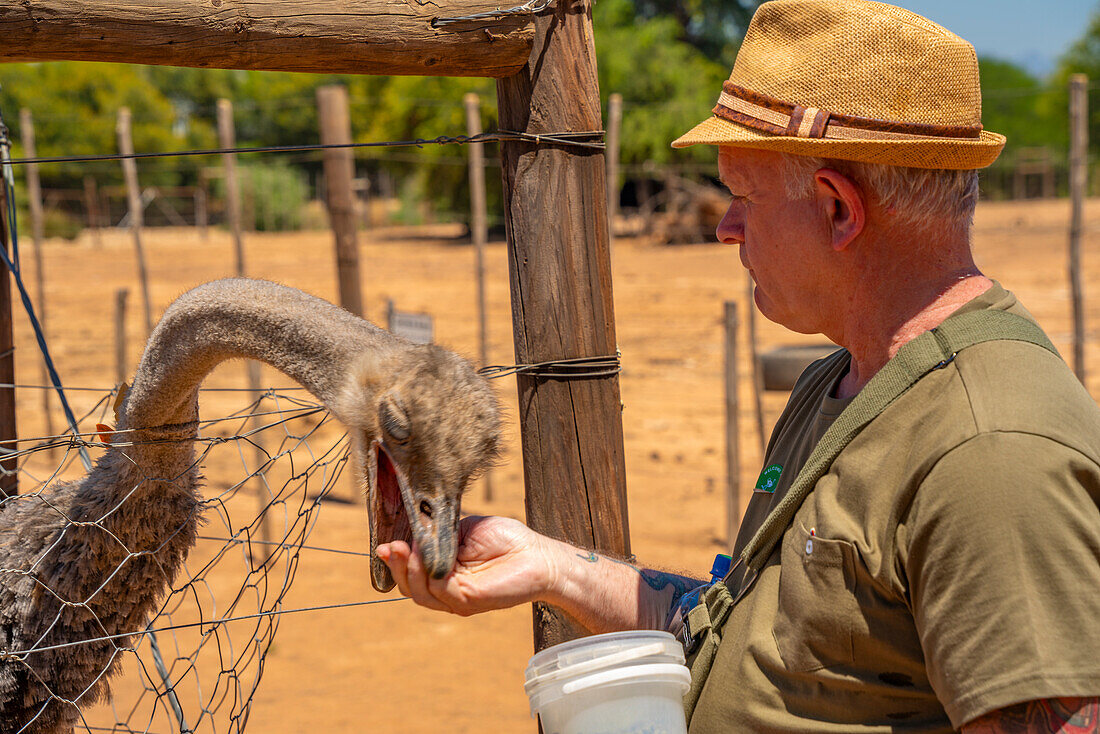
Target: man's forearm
(608, 595)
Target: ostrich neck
(308, 339)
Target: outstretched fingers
(499, 563)
(408, 572)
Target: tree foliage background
(667, 58)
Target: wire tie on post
(576, 368)
(531, 7)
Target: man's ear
(844, 205)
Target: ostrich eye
(394, 419)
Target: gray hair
(921, 198)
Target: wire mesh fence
(195, 663)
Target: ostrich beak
(397, 512)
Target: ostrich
(91, 558)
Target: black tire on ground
(781, 366)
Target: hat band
(771, 115)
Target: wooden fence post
(227, 138)
(614, 125)
(733, 433)
(479, 233)
(1078, 185)
(562, 307)
(9, 479)
(202, 219)
(122, 368)
(133, 199)
(91, 210)
(332, 104)
(38, 229)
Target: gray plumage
(94, 557)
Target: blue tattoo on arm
(656, 580)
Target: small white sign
(416, 327)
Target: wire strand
(561, 369)
(592, 139)
(18, 654)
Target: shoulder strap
(930, 351)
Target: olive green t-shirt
(947, 565)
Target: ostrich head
(425, 424)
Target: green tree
(1083, 57)
(715, 28)
(1020, 107)
(667, 84)
(650, 52)
(75, 108)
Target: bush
(277, 193)
(55, 223)
(273, 196)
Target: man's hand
(500, 563)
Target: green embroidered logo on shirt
(769, 479)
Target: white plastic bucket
(618, 683)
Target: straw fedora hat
(854, 80)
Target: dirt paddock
(395, 667)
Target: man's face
(783, 243)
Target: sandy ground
(393, 666)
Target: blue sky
(1030, 32)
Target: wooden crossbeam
(322, 36)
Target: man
(940, 569)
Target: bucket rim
(675, 674)
(653, 643)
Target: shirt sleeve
(1001, 548)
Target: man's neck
(874, 336)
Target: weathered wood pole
(122, 368)
(202, 218)
(479, 234)
(259, 454)
(137, 217)
(733, 433)
(9, 479)
(1078, 187)
(332, 104)
(757, 373)
(614, 126)
(38, 229)
(555, 206)
(34, 201)
(227, 138)
(91, 209)
(363, 196)
(479, 228)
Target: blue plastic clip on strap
(721, 567)
(690, 600)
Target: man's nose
(731, 230)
